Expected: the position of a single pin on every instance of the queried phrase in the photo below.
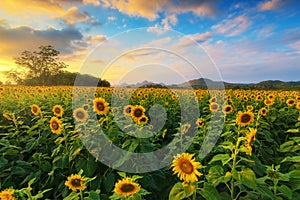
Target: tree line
(43, 68)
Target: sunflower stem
(234, 164)
(81, 195)
(194, 195)
(15, 121)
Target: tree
(39, 66)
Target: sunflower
(185, 128)
(55, 125)
(244, 118)
(58, 110)
(137, 112)
(263, 111)
(80, 115)
(271, 96)
(269, 102)
(213, 100)
(126, 187)
(227, 109)
(86, 106)
(150, 127)
(7, 194)
(250, 107)
(75, 182)
(35, 109)
(250, 137)
(174, 97)
(298, 105)
(143, 120)
(186, 167)
(200, 122)
(214, 107)
(6, 116)
(290, 102)
(100, 106)
(259, 98)
(127, 110)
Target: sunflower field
(252, 139)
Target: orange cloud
(73, 16)
(52, 9)
(150, 9)
(94, 40)
(270, 5)
(94, 2)
(26, 7)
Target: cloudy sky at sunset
(248, 41)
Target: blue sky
(248, 41)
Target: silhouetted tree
(44, 68)
(39, 66)
(103, 83)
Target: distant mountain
(202, 83)
(276, 84)
(268, 84)
(144, 84)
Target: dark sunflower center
(245, 118)
(138, 113)
(55, 125)
(127, 187)
(76, 182)
(214, 107)
(57, 110)
(143, 119)
(100, 106)
(227, 109)
(35, 109)
(291, 102)
(128, 110)
(80, 115)
(187, 167)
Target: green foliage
(36, 162)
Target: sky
(168, 41)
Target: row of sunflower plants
(48, 152)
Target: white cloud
(232, 27)
(156, 29)
(192, 39)
(171, 19)
(111, 18)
